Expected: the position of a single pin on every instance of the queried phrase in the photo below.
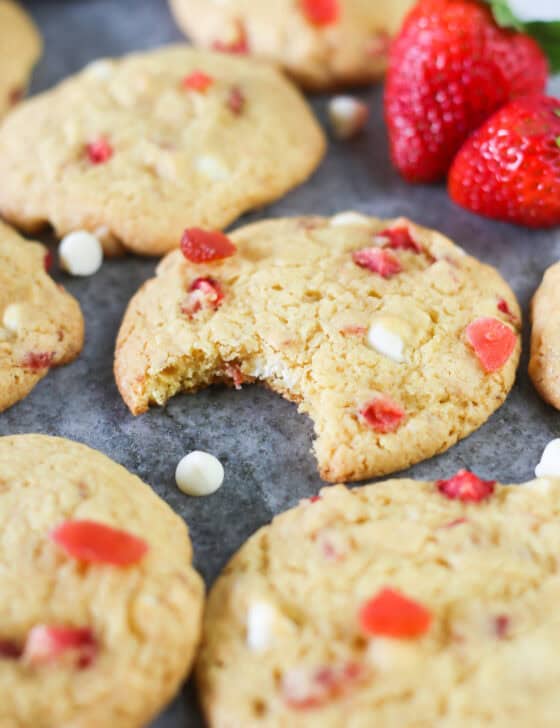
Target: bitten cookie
(387, 335)
(544, 365)
(20, 48)
(101, 609)
(41, 326)
(397, 604)
(322, 43)
(137, 149)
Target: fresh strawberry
(451, 68)
(510, 168)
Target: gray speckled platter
(262, 441)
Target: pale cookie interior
(544, 365)
(41, 326)
(353, 49)
(20, 48)
(487, 573)
(295, 316)
(175, 157)
(145, 618)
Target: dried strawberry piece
(46, 644)
(99, 151)
(400, 239)
(9, 650)
(456, 522)
(198, 81)
(238, 46)
(382, 414)
(501, 625)
(203, 293)
(466, 487)
(391, 614)
(354, 331)
(378, 261)
(304, 690)
(96, 543)
(206, 246)
(493, 342)
(48, 261)
(235, 374)
(16, 95)
(38, 360)
(315, 498)
(321, 12)
(236, 101)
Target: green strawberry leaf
(546, 34)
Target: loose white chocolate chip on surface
(199, 474)
(260, 620)
(549, 466)
(80, 253)
(347, 115)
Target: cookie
(101, 609)
(398, 604)
(386, 334)
(137, 149)
(21, 47)
(544, 364)
(41, 326)
(322, 44)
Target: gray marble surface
(262, 441)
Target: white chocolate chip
(350, 219)
(199, 473)
(80, 253)
(12, 319)
(212, 168)
(549, 466)
(388, 336)
(347, 115)
(260, 623)
(101, 70)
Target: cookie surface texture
(321, 43)
(41, 326)
(135, 150)
(544, 365)
(366, 324)
(390, 605)
(84, 642)
(20, 48)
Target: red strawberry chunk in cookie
(198, 81)
(305, 690)
(38, 360)
(96, 543)
(205, 246)
(493, 342)
(383, 415)
(391, 614)
(378, 261)
(46, 644)
(203, 293)
(99, 151)
(321, 12)
(238, 46)
(9, 650)
(466, 487)
(236, 101)
(400, 239)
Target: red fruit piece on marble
(99, 151)
(38, 360)
(198, 81)
(46, 644)
(400, 239)
(378, 261)
(321, 12)
(493, 342)
(391, 614)
(96, 543)
(466, 487)
(382, 414)
(206, 246)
